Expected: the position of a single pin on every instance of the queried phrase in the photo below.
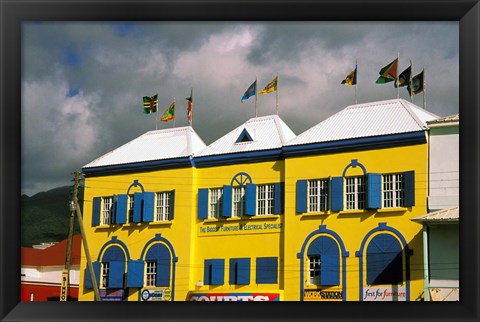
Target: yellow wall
(353, 226)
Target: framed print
(307, 152)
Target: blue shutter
(267, 270)
(243, 271)
(96, 209)
(207, 272)
(115, 275)
(329, 253)
(384, 260)
(148, 206)
(163, 272)
(232, 271)
(137, 206)
(96, 270)
(218, 271)
(172, 205)
(202, 203)
(279, 198)
(121, 209)
(337, 193)
(135, 273)
(251, 202)
(409, 188)
(374, 192)
(227, 201)
(301, 196)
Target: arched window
(324, 262)
(157, 266)
(384, 260)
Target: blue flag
(250, 91)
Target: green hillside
(45, 216)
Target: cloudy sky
(83, 83)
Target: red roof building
(42, 269)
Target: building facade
(262, 214)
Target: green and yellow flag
(271, 87)
(351, 78)
(388, 73)
(169, 113)
(150, 104)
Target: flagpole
(396, 76)
(424, 89)
(410, 81)
(276, 94)
(356, 81)
(174, 112)
(256, 83)
(191, 110)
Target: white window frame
(215, 203)
(130, 208)
(105, 272)
(238, 201)
(355, 193)
(393, 190)
(265, 199)
(107, 210)
(314, 266)
(317, 195)
(150, 273)
(162, 205)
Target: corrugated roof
(266, 133)
(442, 215)
(455, 118)
(153, 146)
(366, 120)
(52, 256)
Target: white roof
(365, 120)
(451, 120)
(152, 146)
(266, 132)
(442, 215)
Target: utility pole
(64, 290)
(75, 207)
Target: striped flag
(150, 104)
(169, 113)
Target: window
(150, 273)
(130, 208)
(355, 193)
(216, 203)
(317, 195)
(162, 209)
(384, 260)
(107, 211)
(213, 272)
(314, 270)
(267, 270)
(265, 199)
(393, 190)
(239, 271)
(105, 274)
(238, 201)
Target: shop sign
(241, 227)
(156, 294)
(113, 295)
(385, 293)
(322, 295)
(234, 297)
(445, 294)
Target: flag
(169, 113)
(150, 104)
(189, 106)
(250, 91)
(404, 77)
(417, 84)
(271, 87)
(388, 73)
(351, 78)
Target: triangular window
(244, 137)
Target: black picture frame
(13, 13)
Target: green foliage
(45, 216)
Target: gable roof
(156, 145)
(264, 133)
(52, 256)
(380, 118)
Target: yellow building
(262, 214)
